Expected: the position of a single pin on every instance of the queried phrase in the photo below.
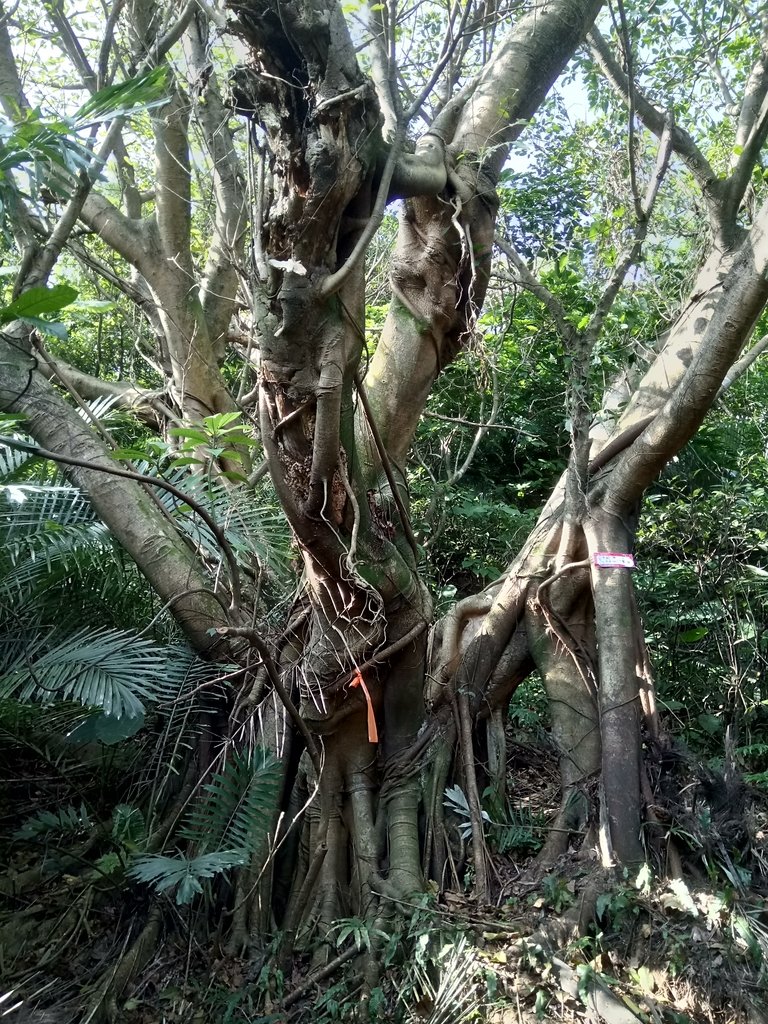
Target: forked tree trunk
(337, 446)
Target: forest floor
(570, 945)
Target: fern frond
(236, 807)
(66, 821)
(183, 873)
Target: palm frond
(256, 529)
(21, 720)
(43, 560)
(236, 808)
(454, 999)
(176, 727)
(183, 873)
(33, 508)
(41, 523)
(100, 408)
(46, 533)
(110, 669)
(11, 461)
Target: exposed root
(439, 684)
(127, 968)
(571, 819)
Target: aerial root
(473, 799)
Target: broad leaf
(37, 301)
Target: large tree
(373, 706)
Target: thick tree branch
(384, 76)
(220, 278)
(123, 234)
(137, 524)
(751, 132)
(519, 75)
(107, 43)
(754, 92)
(12, 97)
(146, 405)
(422, 173)
(67, 38)
(46, 258)
(173, 190)
(442, 262)
(744, 294)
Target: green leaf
(602, 904)
(710, 723)
(691, 636)
(192, 433)
(220, 419)
(36, 301)
(93, 306)
(109, 863)
(645, 979)
(128, 826)
(49, 327)
(106, 729)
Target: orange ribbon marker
(373, 732)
